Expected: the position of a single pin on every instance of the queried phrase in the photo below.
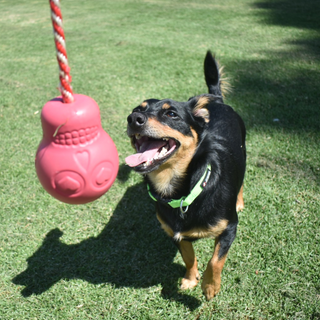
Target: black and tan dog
(193, 157)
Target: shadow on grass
(300, 14)
(131, 251)
(295, 13)
(282, 91)
(265, 95)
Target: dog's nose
(136, 120)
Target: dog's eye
(138, 109)
(171, 114)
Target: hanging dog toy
(76, 161)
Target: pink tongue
(147, 152)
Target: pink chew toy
(76, 161)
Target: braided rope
(59, 39)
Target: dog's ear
(199, 107)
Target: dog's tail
(217, 84)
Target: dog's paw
(209, 290)
(189, 283)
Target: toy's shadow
(131, 251)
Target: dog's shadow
(131, 251)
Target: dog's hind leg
(240, 202)
(212, 276)
(191, 277)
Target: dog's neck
(166, 181)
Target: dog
(193, 157)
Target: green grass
(109, 259)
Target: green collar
(195, 192)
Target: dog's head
(165, 135)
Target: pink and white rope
(59, 39)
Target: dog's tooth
(165, 139)
(163, 151)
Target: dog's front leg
(191, 277)
(212, 276)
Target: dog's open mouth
(151, 152)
